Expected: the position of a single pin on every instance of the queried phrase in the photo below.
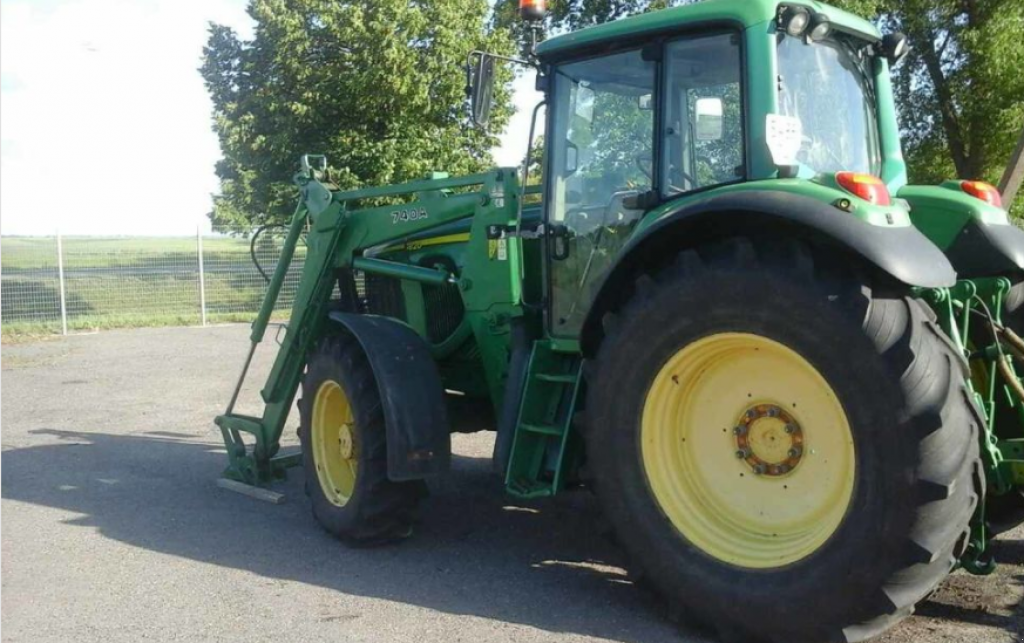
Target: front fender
(419, 434)
(901, 252)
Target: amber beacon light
(533, 10)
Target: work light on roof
(794, 20)
(820, 28)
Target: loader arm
(339, 236)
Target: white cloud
(513, 143)
(105, 122)
(104, 119)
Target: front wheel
(344, 449)
(785, 454)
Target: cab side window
(703, 137)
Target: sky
(105, 124)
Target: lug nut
(773, 413)
(759, 469)
(740, 430)
(790, 428)
(743, 454)
(795, 452)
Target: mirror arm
(518, 61)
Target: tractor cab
(650, 114)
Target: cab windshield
(829, 87)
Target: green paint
(544, 437)
(941, 212)
(822, 188)
(745, 13)
(959, 309)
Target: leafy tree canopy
(376, 85)
(960, 90)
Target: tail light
(533, 10)
(981, 190)
(866, 186)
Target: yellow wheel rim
(747, 450)
(333, 438)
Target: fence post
(60, 277)
(202, 277)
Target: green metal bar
(259, 326)
(402, 271)
(427, 185)
(415, 310)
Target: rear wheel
(344, 449)
(785, 454)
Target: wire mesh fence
(62, 284)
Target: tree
(376, 85)
(960, 91)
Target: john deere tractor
(788, 376)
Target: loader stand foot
(979, 559)
(259, 493)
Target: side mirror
(708, 113)
(481, 88)
(894, 47)
(572, 158)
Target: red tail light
(533, 9)
(866, 186)
(981, 190)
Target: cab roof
(746, 13)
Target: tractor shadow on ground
(475, 552)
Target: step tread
(544, 429)
(556, 378)
(527, 489)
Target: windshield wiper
(859, 63)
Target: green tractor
(788, 376)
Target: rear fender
(900, 252)
(418, 432)
(978, 238)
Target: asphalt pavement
(113, 528)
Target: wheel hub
(345, 441)
(769, 440)
(333, 440)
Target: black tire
(1006, 512)
(379, 510)
(914, 428)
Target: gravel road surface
(113, 529)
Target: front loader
(788, 376)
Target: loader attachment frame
(970, 314)
(344, 231)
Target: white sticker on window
(783, 134)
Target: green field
(133, 281)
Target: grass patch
(134, 282)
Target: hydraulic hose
(252, 247)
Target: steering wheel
(646, 165)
